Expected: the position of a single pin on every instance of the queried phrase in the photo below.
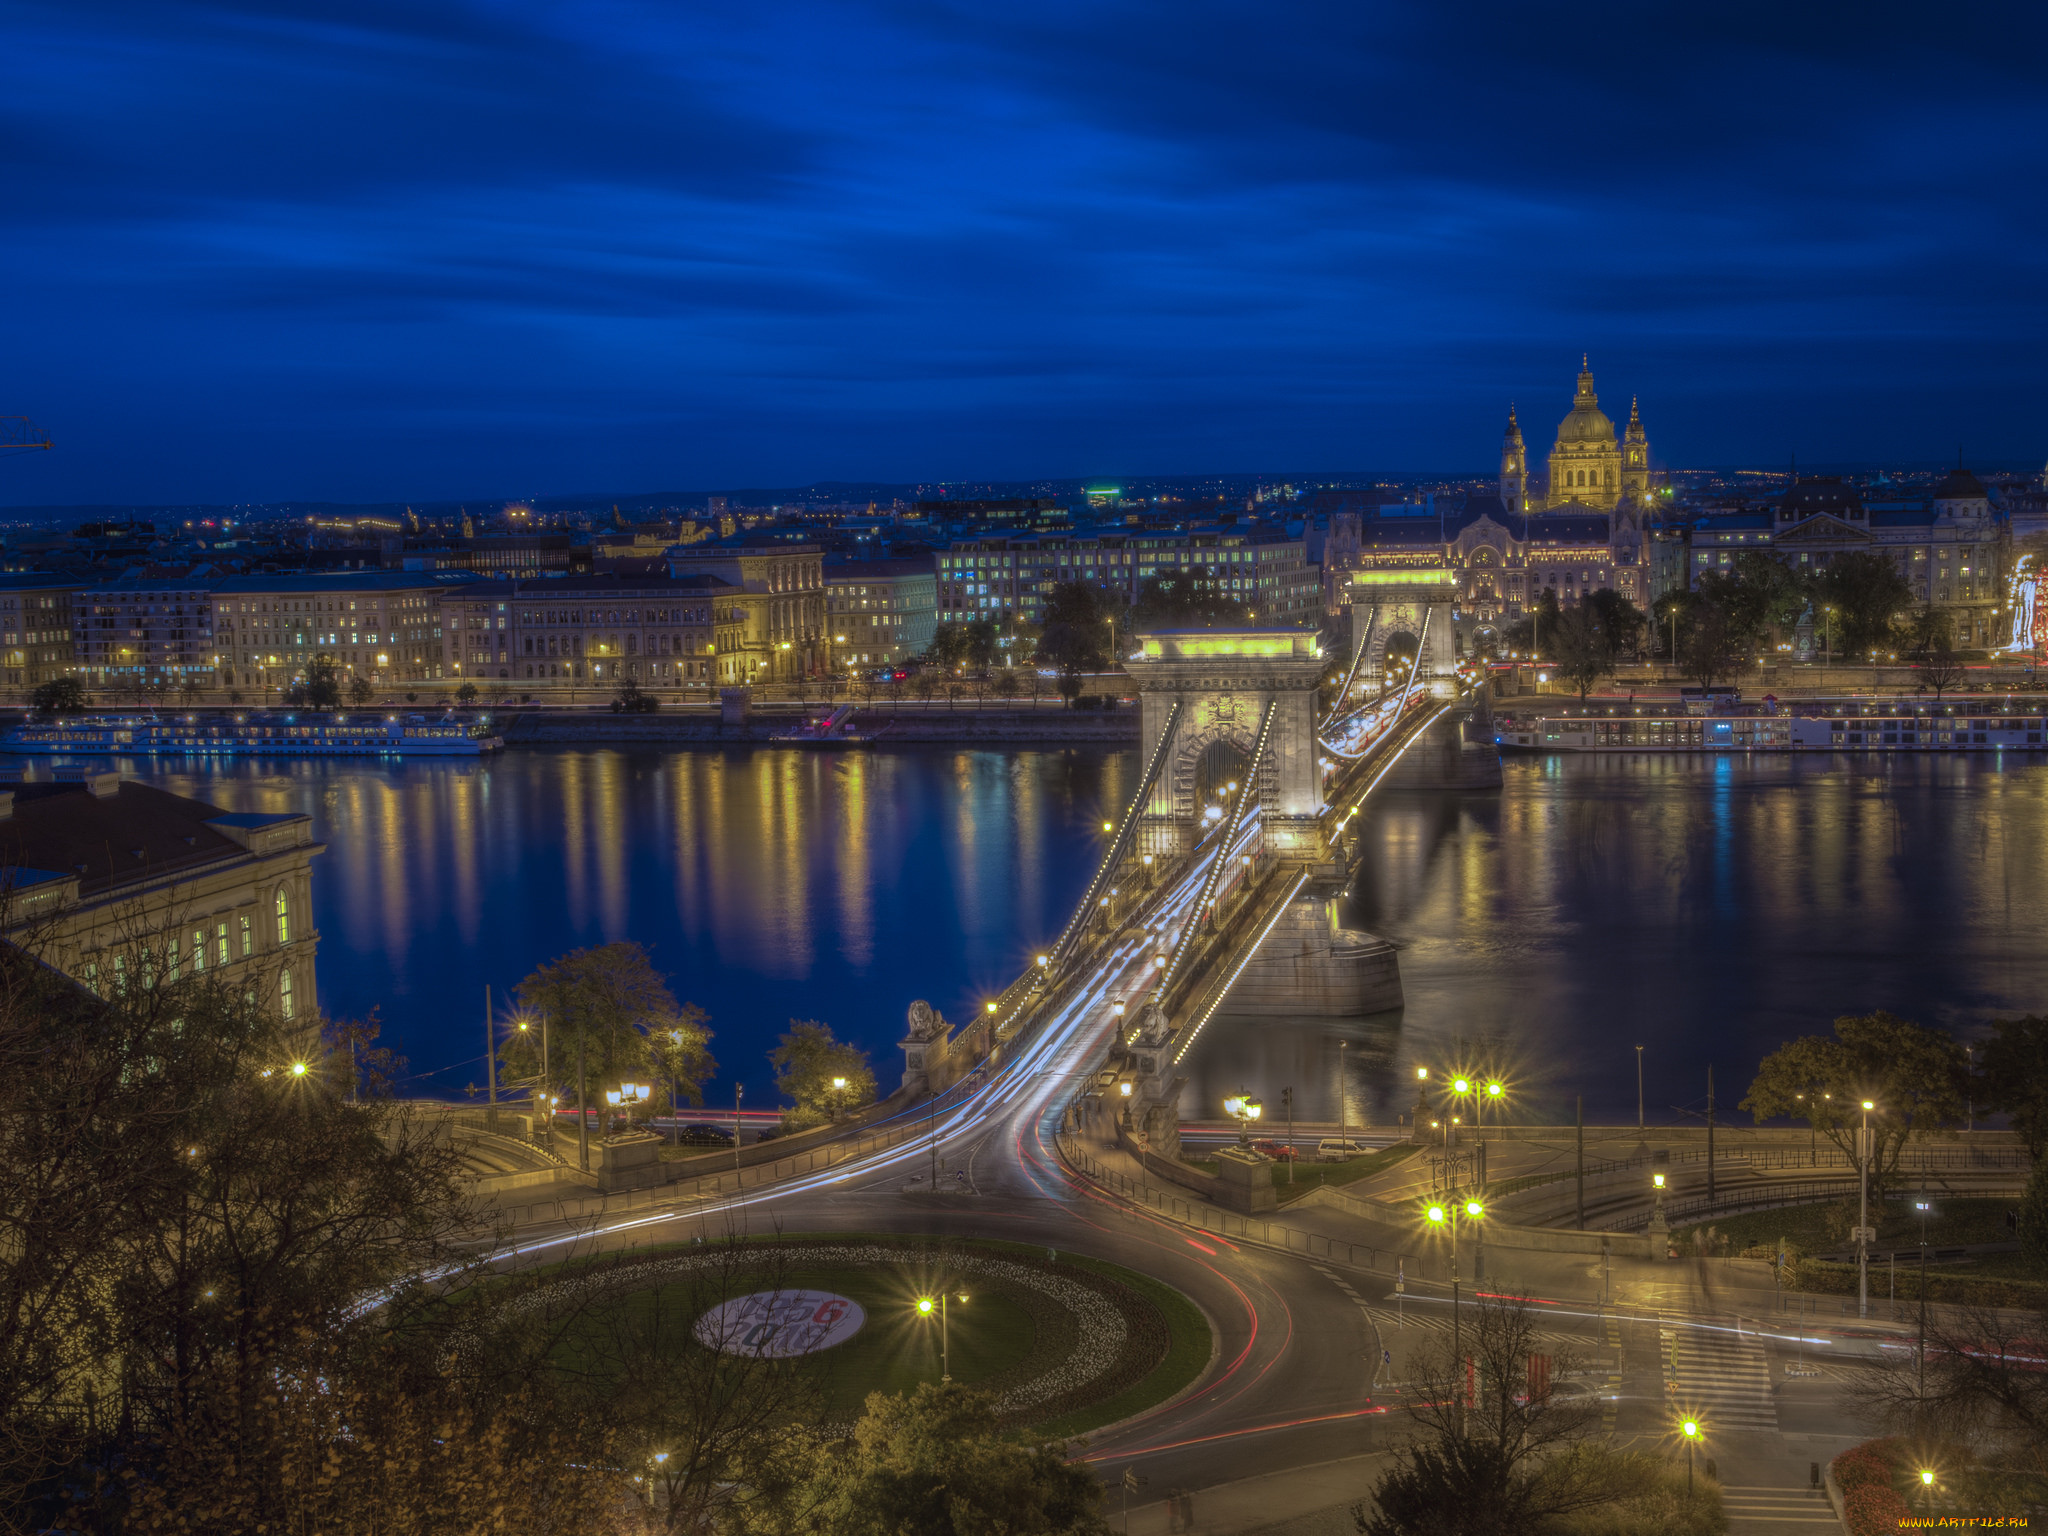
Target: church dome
(1587, 423)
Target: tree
(807, 1064)
(1866, 592)
(2013, 1077)
(1712, 647)
(681, 1053)
(361, 690)
(1538, 628)
(1497, 1453)
(465, 695)
(319, 687)
(612, 1000)
(1768, 594)
(631, 699)
(1582, 653)
(1913, 1076)
(1942, 670)
(933, 1463)
(1621, 622)
(59, 696)
(1926, 633)
(1075, 638)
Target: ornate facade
(1589, 466)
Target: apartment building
(881, 612)
(381, 625)
(558, 632)
(770, 627)
(37, 643)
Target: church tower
(1635, 457)
(1514, 467)
(1585, 465)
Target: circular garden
(1063, 1344)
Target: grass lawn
(1823, 1228)
(1308, 1176)
(990, 1335)
(895, 1349)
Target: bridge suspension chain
(1357, 660)
(1120, 845)
(1245, 791)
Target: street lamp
(1449, 1213)
(925, 1305)
(1244, 1109)
(1691, 1430)
(1863, 1232)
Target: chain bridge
(1221, 877)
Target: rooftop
(138, 832)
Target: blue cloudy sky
(408, 249)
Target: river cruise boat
(1894, 732)
(358, 733)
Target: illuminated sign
(778, 1324)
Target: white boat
(298, 733)
(1778, 733)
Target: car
(704, 1136)
(1337, 1149)
(1279, 1151)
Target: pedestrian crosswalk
(1716, 1368)
(1762, 1511)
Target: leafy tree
(933, 1463)
(1536, 629)
(1670, 616)
(612, 1001)
(1769, 596)
(806, 1064)
(1926, 633)
(681, 1054)
(361, 690)
(59, 696)
(1075, 637)
(631, 699)
(1913, 1076)
(319, 687)
(1866, 591)
(465, 695)
(1713, 647)
(1620, 620)
(1582, 653)
(2013, 1077)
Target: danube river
(1705, 908)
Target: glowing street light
(925, 1307)
(1244, 1109)
(1691, 1430)
(1449, 1214)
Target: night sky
(420, 249)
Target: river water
(1706, 908)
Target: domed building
(1589, 465)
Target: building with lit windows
(120, 884)
(881, 612)
(146, 636)
(770, 626)
(384, 626)
(36, 637)
(1008, 577)
(594, 631)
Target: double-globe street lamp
(925, 1306)
(1244, 1109)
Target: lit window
(284, 993)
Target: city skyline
(371, 256)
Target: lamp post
(1449, 1214)
(1863, 1217)
(1639, 1094)
(1494, 1090)
(1244, 1109)
(1691, 1430)
(738, 1092)
(925, 1305)
(525, 1027)
(838, 1098)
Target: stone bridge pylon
(1208, 697)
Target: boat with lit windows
(1893, 730)
(358, 733)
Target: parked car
(704, 1136)
(1335, 1149)
(1279, 1151)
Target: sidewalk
(1301, 1501)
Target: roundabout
(1063, 1345)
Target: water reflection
(1707, 908)
(770, 884)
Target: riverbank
(891, 726)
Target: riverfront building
(1008, 577)
(770, 624)
(36, 635)
(558, 633)
(382, 626)
(117, 884)
(881, 612)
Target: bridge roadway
(1285, 1420)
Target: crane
(20, 435)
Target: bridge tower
(1402, 597)
(1207, 696)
